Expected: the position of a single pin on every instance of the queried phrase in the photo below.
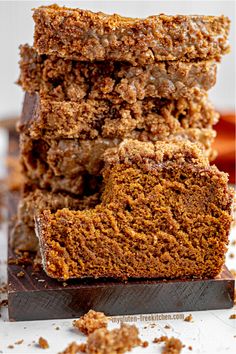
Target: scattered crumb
(43, 344)
(20, 274)
(188, 318)
(167, 326)
(91, 321)
(190, 347)
(160, 340)
(172, 346)
(116, 341)
(57, 328)
(233, 243)
(233, 316)
(103, 341)
(19, 341)
(231, 255)
(64, 284)
(145, 344)
(153, 325)
(10, 346)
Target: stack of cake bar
(116, 136)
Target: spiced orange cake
(164, 213)
(64, 79)
(84, 35)
(89, 119)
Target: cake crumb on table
(19, 342)
(103, 341)
(188, 318)
(145, 344)
(43, 344)
(118, 340)
(172, 346)
(233, 316)
(161, 339)
(91, 321)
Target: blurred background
(16, 27)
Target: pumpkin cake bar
(86, 36)
(69, 80)
(90, 119)
(35, 201)
(164, 213)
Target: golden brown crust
(67, 80)
(87, 36)
(165, 213)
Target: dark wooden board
(36, 296)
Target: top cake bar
(87, 36)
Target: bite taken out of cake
(164, 213)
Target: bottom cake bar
(164, 213)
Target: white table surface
(211, 332)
